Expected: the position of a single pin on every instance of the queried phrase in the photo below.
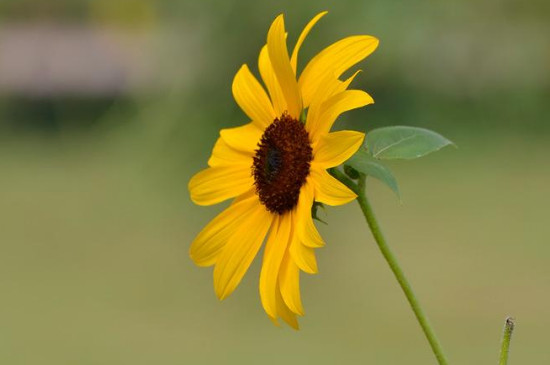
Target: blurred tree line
(457, 64)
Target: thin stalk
(391, 259)
(506, 337)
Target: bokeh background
(107, 108)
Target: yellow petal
(344, 84)
(334, 60)
(303, 35)
(335, 148)
(224, 155)
(273, 255)
(278, 54)
(249, 194)
(316, 107)
(331, 86)
(244, 138)
(212, 239)
(216, 184)
(305, 228)
(283, 311)
(270, 81)
(328, 190)
(331, 109)
(289, 282)
(303, 256)
(240, 250)
(251, 97)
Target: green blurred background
(107, 108)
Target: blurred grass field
(94, 265)
(97, 222)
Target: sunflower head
(275, 168)
(281, 164)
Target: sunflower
(275, 168)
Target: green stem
(506, 337)
(366, 208)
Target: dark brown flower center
(281, 164)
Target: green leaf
(400, 142)
(363, 162)
(314, 210)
